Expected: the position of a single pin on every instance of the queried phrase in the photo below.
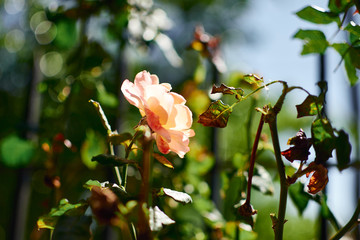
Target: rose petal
(131, 93)
(162, 145)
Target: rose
(166, 113)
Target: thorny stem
(352, 223)
(279, 225)
(252, 158)
(271, 118)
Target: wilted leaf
(216, 115)
(177, 196)
(253, 79)
(308, 107)
(314, 41)
(319, 179)
(117, 139)
(343, 50)
(299, 197)
(16, 152)
(317, 15)
(49, 220)
(72, 228)
(245, 212)
(158, 218)
(163, 160)
(300, 150)
(238, 92)
(343, 150)
(102, 115)
(104, 205)
(323, 139)
(113, 160)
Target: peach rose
(165, 112)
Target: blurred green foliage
(56, 56)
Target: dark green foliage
(323, 140)
(343, 150)
(317, 15)
(299, 197)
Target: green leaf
(117, 139)
(308, 107)
(338, 6)
(343, 150)
(318, 15)
(177, 196)
(323, 140)
(107, 159)
(327, 213)
(262, 180)
(91, 183)
(314, 41)
(237, 184)
(16, 152)
(355, 56)
(49, 220)
(343, 50)
(299, 197)
(238, 92)
(158, 218)
(353, 28)
(72, 228)
(216, 115)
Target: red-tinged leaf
(308, 107)
(238, 92)
(217, 115)
(300, 150)
(319, 179)
(163, 160)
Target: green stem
(279, 225)
(117, 171)
(352, 223)
(127, 153)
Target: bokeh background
(57, 55)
